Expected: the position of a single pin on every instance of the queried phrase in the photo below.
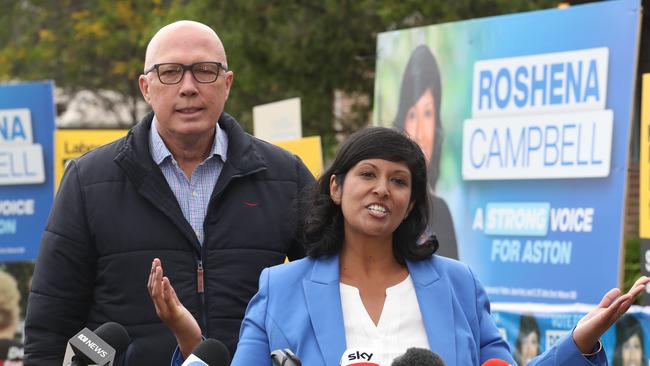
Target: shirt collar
(159, 151)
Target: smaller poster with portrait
(14, 287)
(530, 333)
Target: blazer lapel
(435, 301)
(324, 304)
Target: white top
(400, 325)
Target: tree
(81, 45)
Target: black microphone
(284, 357)
(418, 357)
(97, 348)
(210, 352)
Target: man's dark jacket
(114, 212)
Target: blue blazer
(298, 306)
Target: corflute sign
(26, 161)
(21, 160)
(525, 120)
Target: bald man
(188, 186)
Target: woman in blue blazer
(360, 227)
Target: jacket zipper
(200, 289)
(199, 277)
(200, 286)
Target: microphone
(495, 362)
(418, 357)
(210, 352)
(284, 357)
(358, 357)
(97, 348)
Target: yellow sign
(308, 149)
(644, 161)
(70, 144)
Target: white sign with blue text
(21, 160)
(539, 117)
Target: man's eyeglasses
(172, 73)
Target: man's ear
(144, 88)
(335, 190)
(230, 76)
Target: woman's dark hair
(421, 74)
(627, 327)
(527, 325)
(320, 223)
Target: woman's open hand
(171, 311)
(611, 308)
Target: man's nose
(188, 84)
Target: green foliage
(277, 49)
(632, 264)
(79, 44)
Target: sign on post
(26, 131)
(279, 120)
(74, 143)
(525, 120)
(644, 183)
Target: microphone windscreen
(495, 362)
(115, 335)
(213, 352)
(418, 357)
(285, 357)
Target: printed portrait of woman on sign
(418, 115)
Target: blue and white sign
(26, 167)
(532, 331)
(539, 117)
(525, 120)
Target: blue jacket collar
(437, 307)
(323, 297)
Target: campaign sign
(26, 153)
(70, 144)
(525, 121)
(644, 183)
(538, 328)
